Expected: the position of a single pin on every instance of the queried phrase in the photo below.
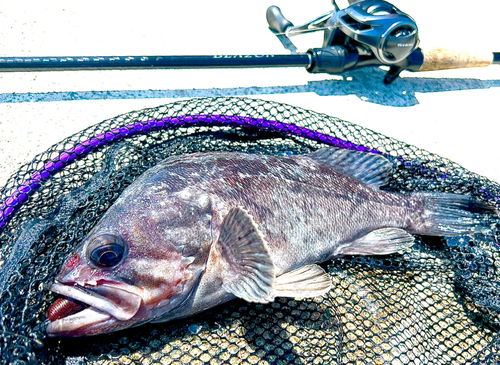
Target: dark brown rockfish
(198, 230)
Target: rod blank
(28, 64)
(496, 58)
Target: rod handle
(446, 59)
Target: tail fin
(453, 214)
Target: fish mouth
(103, 305)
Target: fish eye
(106, 250)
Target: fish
(198, 230)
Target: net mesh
(435, 303)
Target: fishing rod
(366, 33)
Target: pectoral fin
(250, 269)
(306, 282)
(382, 241)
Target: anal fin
(383, 241)
(306, 282)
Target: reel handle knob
(277, 22)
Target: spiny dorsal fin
(383, 241)
(306, 282)
(250, 267)
(369, 168)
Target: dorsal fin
(250, 268)
(372, 169)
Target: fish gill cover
(437, 302)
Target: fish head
(134, 267)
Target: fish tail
(446, 214)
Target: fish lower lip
(70, 325)
(111, 300)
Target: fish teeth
(187, 260)
(81, 283)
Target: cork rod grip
(446, 59)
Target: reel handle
(435, 59)
(277, 22)
(284, 29)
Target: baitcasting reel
(371, 31)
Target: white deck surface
(451, 113)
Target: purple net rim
(80, 150)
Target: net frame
(53, 201)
